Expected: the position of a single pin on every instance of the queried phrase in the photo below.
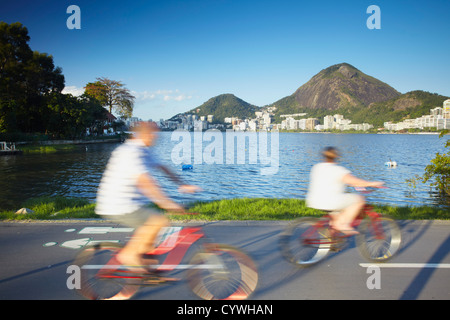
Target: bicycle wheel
(98, 278)
(379, 239)
(305, 242)
(222, 272)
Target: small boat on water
(390, 164)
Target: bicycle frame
(176, 245)
(374, 217)
(174, 241)
(367, 211)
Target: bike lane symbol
(80, 243)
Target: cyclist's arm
(186, 188)
(148, 186)
(353, 181)
(170, 174)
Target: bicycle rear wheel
(222, 272)
(379, 239)
(98, 279)
(305, 242)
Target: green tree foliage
(30, 91)
(437, 172)
(69, 116)
(25, 76)
(113, 95)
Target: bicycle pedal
(338, 246)
(335, 249)
(158, 280)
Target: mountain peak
(341, 85)
(343, 68)
(225, 105)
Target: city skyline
(175, 55)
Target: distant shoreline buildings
(439, 118)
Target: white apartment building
(446, 109)
(328, 122)
(340, 123)
(200, 125)
(292, 124)
(438, 118)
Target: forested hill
(225, 105)
(339, 89)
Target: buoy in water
(187, 167)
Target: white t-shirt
(326, 188)
(118, 193)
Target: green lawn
(51, 208)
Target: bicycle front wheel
(98, 280)
(379, 239)
(222, 272)
(305, 242)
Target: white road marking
(407, 265)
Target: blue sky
(175, 55)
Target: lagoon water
(77, 173)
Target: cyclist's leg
(147, 233)
(352, 206)
(147, 223)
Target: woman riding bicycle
(326, 191)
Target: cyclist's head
(146, 131)
(330, 153)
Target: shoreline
(75, 141)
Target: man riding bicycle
(327, 191)
(127, 187)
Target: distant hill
(343, 89)
(339, 89)
(410, 105)
(336, 87)
(225, 105)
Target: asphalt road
(34, 260)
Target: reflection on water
(77, 173)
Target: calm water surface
(77, 173)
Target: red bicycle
(216, 271)
(308, 240)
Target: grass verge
(53, 208)
(34, 149)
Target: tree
(438, 172)
(69, 116)
(31, 98)
(112, 95)
(25, 77)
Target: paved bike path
(35, 257)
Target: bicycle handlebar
(365, 190)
